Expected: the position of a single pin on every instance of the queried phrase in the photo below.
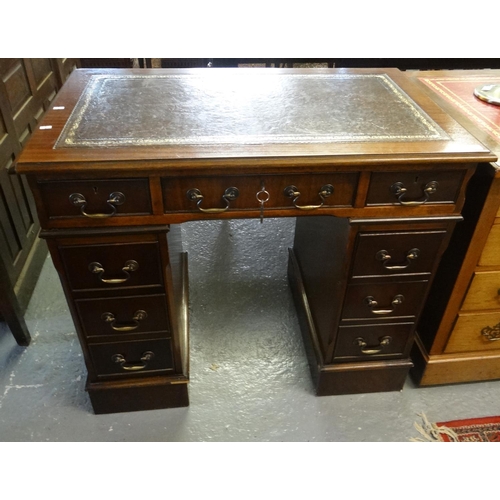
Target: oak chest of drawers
(126, 156)
(460, 325)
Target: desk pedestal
(357, 312)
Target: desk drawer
(491, 251)
(119, 316)
(396, 253)
(386, 300)
(96, 198)
(484, 292)
(193, 194)
(475, 332)
(414, 188)
(373, 341)
(132, 358)
(112, 265)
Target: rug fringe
(431, 432)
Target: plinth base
(147, 394)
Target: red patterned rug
(486, 429)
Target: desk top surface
(454, 90)
(254, 114)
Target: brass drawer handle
(133, 366)
(399, 191)
(385, 258)
(137, 318)
(491, 334)
(366, 349)
(230, 194)
(293, 192)
(130, 266)
(372, 303)
(114, 200)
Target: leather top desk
(373, 170)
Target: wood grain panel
(41, 70)
(3, 129)
(11, 245)
(17, 87)
(483, 292)
(26, 86)
(491, 252)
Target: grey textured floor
(249, 375)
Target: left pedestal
(127, 290)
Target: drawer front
(96, 198)
(387, 300)
(373, 341)
(491, 252)
(396, 253)
(484, 292)
(112, 265)
(194, 194)
(131, 358)
(124, 315)
(475, 332)
(414, 188)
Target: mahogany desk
(373, 170)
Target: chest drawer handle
(399, 190)
(113, 201)
(385, 258)
(133, 366)
(293, 192)
(377, 349)
(491, 334)
(372, 303)
(137, 318)
(130, 266)
(229, 195)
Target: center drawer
(198, 194)
(120, 316)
